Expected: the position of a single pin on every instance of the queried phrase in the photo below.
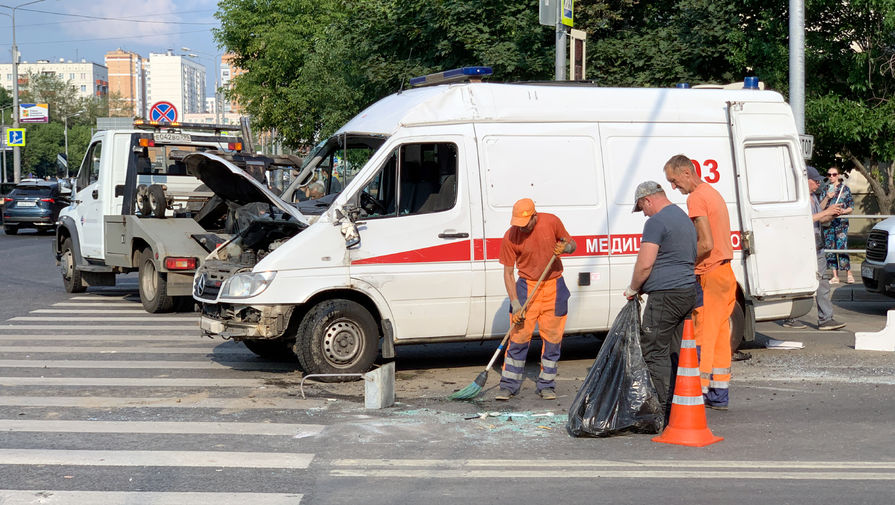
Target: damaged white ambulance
(419, 188)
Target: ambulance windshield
(328, 168)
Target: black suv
(33, 204)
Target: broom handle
(524, 308)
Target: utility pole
(16, 150)
(797, 62)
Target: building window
(83, 76)
(71, 77)
(83, 88)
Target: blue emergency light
(454, 75)
(750, 83)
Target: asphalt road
(103, 403)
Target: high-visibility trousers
(548, 310)
(711, 324)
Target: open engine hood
(233, 184)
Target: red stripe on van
(588, 245)
(455, 251)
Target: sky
(87, 29)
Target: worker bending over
(664, 271)
(708, 210)
(528, 246)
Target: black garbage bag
(618, 394)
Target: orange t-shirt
(706, 201)
(530, 252)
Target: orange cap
(522, 212)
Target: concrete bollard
(379, 387)
(883, 340)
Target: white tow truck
(136, 207)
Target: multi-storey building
(127, 80)
(228, 72)
(176, 79)
(89, 79)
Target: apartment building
(90, 79)
(228, 72)
(177, 79)
(127, 80)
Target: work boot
(740, 356)
(713, 406)
(794, 323)
(547, 394)
(830, 324)
(503, 395)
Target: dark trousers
(660, 337)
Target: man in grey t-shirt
(664, 271)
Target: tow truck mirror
(347, 217)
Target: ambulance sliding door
(558, 166)
(778, 236)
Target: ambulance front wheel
(337, 336)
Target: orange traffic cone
(687, 424)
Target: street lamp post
(16, 151)
(217, 76)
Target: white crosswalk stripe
(69, 346)
(55, 497)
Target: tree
(46, 141)
(850, 107)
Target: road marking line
(597, 463)
(161, 428)
(192, 339)
(211, 349)
(82, 327)
(608, 474)
(91, 311)
(130, 382)
(191, 317)
(187, 401)
(48, 497)
(139, 364)
(97, 298)
(99, 303)
(212, 459)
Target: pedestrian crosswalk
(95, 385)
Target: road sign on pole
(547, 12)
(15, 137)
(163, 111)
(566, 14)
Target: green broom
(473, 390)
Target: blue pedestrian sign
(15, 137)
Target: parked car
(33, 204)
(878, 268)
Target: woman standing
(836, 234)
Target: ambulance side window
(428, 178)
(416, 179)
(378, 197)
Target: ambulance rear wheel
(337, 336)
(737, 325)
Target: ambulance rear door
(774, 202)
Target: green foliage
(46, 141)
(5, 98)
(313, 64)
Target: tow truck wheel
(337, 336)
(71, 276)
(153, 286)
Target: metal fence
(879, 217)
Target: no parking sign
(163, 111)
